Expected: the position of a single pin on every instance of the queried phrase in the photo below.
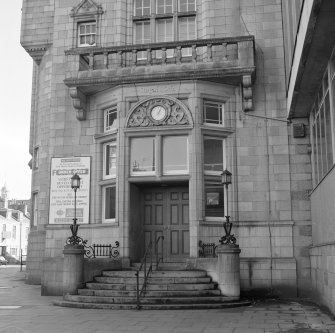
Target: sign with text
(61, 209)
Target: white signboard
(61, 209)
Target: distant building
(14, 227)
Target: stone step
(156, 274)
(150, 287)
(148, 300)
(152, 280)
(165, 266)
(223, 305)
(156, 293)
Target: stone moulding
(36, 51)
(177, 113)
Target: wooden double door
(166, 213)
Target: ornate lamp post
(226, 178)
(74, 239)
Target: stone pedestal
(73, 268)
(229, 270)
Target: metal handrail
(145, 271)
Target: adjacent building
(14, 229)
(149, 101)
(310, 58)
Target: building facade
(309, 45)
(14, 229)
(150, 100)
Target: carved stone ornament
(86, 7)
(79, 103)
(159, 111)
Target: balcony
(223, 60)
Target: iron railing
(147, 271)
(207, 250)
(102, 250)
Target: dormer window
(87, 34)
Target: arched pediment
(159, 111)
(86, 7)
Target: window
(110, 160)
(164, 6)
(109, 203)
(170, 151)
(322, 128)
(214, 164)
(142, 155)
(213, 113)
(36, 158)
(175, 155)
(214, 197)
(27, 234)
(87, 34)
(35, 209)
(214, 155)
(13, 251)
(4, 227)
(142, 7)
(110, 117)
(14, 231)
(187, 5)
(163, 23)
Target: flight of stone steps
(170, 287)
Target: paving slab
(23, 309)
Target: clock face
(158, 112)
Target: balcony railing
(225, 60)
(235, 54)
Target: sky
(15, 100)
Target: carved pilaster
(247, 93)
(79, 103)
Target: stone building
(150, 100)
(310, 62)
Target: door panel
(166, 213)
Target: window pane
(213, 113)
(110, 203)
(315, 158)
(186, 5)
(142, 155)
(110, 160)
(110, 117)
(328, 133)
(164, 6)
(323, 140)
(319, 156)
(186, 27)
(213, 154)
(214, 197)
(175, 154)
(142, 7)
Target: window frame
(107, 112)
(154, 17)
(112, 143)
(224, 158)
(86, 23)
(104, 189)
(221, 113)
(158, 156)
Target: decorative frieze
(159, 111)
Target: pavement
(22, 309)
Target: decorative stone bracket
(247, 93)
(36, 51)
(79, 102)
